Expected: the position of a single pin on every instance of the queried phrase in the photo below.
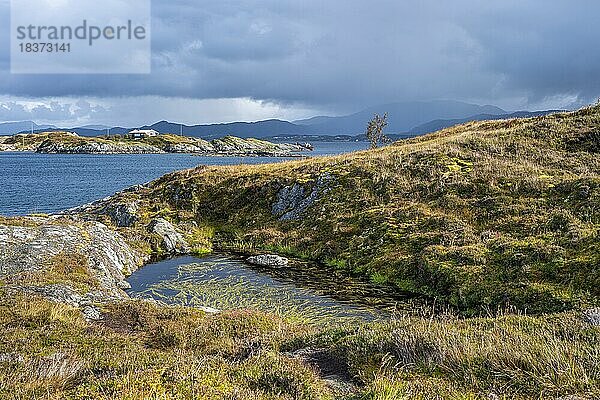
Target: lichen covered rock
(31, 245)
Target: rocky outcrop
(196, 147)
(52, 146)
(333, 369)
(234, 146)
(34, 250)
(121, 208)
(36, 244)
(6, 143)
(293, 200)
(172, 242)
(8, 147)
(268, 260)
(71, 143)
(255, 147)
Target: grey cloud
(346, 54)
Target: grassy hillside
(483, 215)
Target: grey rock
(200, 147)
(57, 293)
(268, 260)
(121, 208)
(292, 201)
(230, 145)
(172, 241)
(89, 147)
(31, 247)
(91, 313)
(60, 293)
(592, 316)
(122, 214)
(288, 199)
(135, 188)
(226, 146)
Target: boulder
(268, 260)
(172, 241)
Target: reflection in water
(302, 290)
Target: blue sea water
(47, 183)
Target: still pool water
(47, 183)
(302, 290)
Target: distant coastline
(63, 142)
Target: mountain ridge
(12, 127)
(402, 116)
(404, 119)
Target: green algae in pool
(302, 290)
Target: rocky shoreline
(105, 238)
(110, 240)
(228, 146)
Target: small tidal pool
(304, 291)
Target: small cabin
(142, 133)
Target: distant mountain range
(404, 119)
(10, 128)
(258, 129)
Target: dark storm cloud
(346, 54)
(544, 49)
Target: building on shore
(142, 133)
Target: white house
(142, 133)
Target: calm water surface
(301, 290)
(46, 183)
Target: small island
(148, 142)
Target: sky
(221, 61)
